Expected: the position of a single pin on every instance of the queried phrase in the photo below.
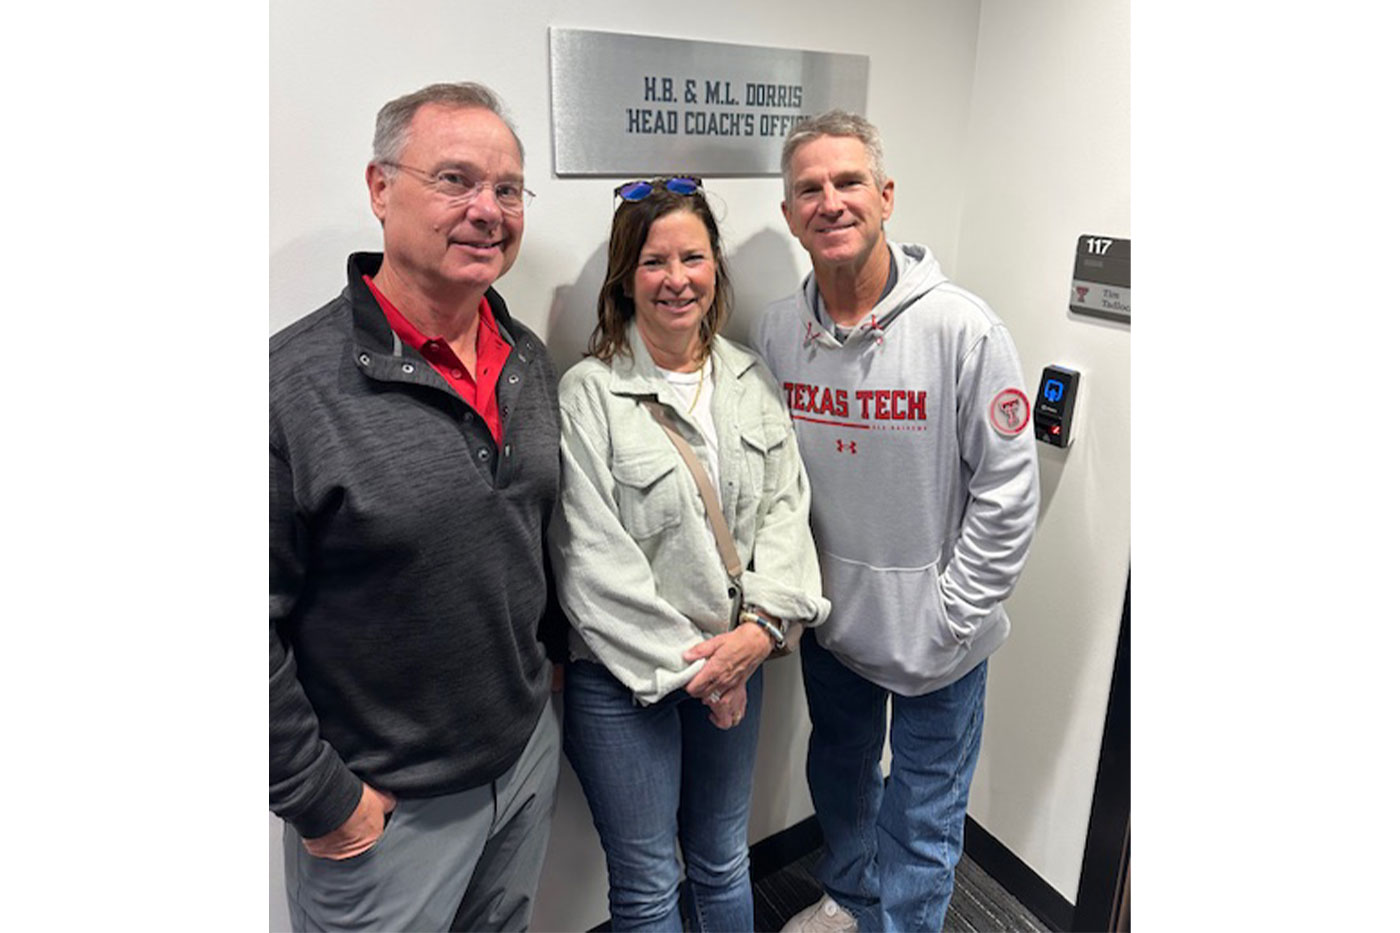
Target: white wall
(1048, 157)
(333, 65)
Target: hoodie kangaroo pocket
(889, 620)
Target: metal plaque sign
(1101, 280)
(628, 105)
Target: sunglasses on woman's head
(640, 190)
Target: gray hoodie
(923, 468)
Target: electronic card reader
(1054, 405)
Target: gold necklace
(699, 386)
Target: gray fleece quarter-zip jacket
(408, 579)
(634, 557)
(915, 433)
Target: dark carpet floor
(979, 904)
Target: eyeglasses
(453, 185)
(640, 190)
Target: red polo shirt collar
(477, 389)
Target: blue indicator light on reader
(1054, 407)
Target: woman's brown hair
(631, 226)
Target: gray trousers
(465, 861)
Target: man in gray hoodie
(912, 417)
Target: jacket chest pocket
(648, 492)
(762, 447)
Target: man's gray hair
(391, 126)
(834, 123)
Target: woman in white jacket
(664, 686)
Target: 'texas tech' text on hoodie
(915, 435)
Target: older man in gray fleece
(414, 467)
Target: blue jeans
(890, 851)
(656, 773)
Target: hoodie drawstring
(873, 326)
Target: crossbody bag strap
(723, 539)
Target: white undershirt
(685, 386)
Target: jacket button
(513, 378)
(408, 367)
(364, 359)
(483, 455)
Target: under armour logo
(842, 445)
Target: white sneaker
(825, 916)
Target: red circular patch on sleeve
(1010, 412)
